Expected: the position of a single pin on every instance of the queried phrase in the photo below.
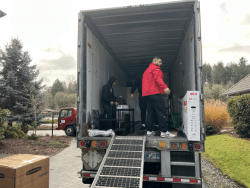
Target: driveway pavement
(64, 167)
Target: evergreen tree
(19, 87)
(57, 86)
(244, 69)
(206, 73)
(219, 73)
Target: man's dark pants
(108, 110)
(156, 103)
(143, 107)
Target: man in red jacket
(153, 87)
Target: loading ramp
(122, 165)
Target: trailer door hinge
(199, 35)
(79, 43)
(198, 6)
(79, 17)
(200, 64)
(202, 97)
(203, 130)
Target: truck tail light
(174, 146)
(86, 175)
(83, 143)
(183, 146)
(197, 146)
(94, 143)
(103, 144)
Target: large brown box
(85, 127)
(24, 171)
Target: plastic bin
(176, 120)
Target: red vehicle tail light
(83, 143)
(197, 146)
(103, 144)
(174, 146)
(183, 146)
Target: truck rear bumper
(153, 178)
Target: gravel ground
(213, 177)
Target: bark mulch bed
(44, 146)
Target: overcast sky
(48, 30)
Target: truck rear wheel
(70, 130)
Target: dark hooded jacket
(108, 92)
(137, 84)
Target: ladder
(122, 165)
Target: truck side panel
(183, 70)
(95, 67)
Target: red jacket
(152, 81)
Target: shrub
(210, 129)
(25, 127)
(14, 132)
(216, 113)
(33, 137)
(239, 110)
(50, 121)
(3, 116)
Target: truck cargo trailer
(120, 42)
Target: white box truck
(120, 42)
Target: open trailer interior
(121, 42)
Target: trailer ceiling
(135, 34)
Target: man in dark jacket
(142, 102)
(108, 98)
(153, 87)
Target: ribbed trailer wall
(100, 67)
(183, 70)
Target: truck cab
(67, 121)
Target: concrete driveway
(64, 167)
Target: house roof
(241, 87)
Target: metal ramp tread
(122, 165)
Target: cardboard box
(191, 115)
(85, 127)
(24, 171)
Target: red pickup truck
(67, 121)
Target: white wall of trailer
(100, 67)
(183, 70)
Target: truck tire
(70, 130)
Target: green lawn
(230, 155)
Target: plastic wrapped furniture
(95, 132)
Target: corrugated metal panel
(96, 73)
(135, 35)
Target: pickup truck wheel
(70, 130)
